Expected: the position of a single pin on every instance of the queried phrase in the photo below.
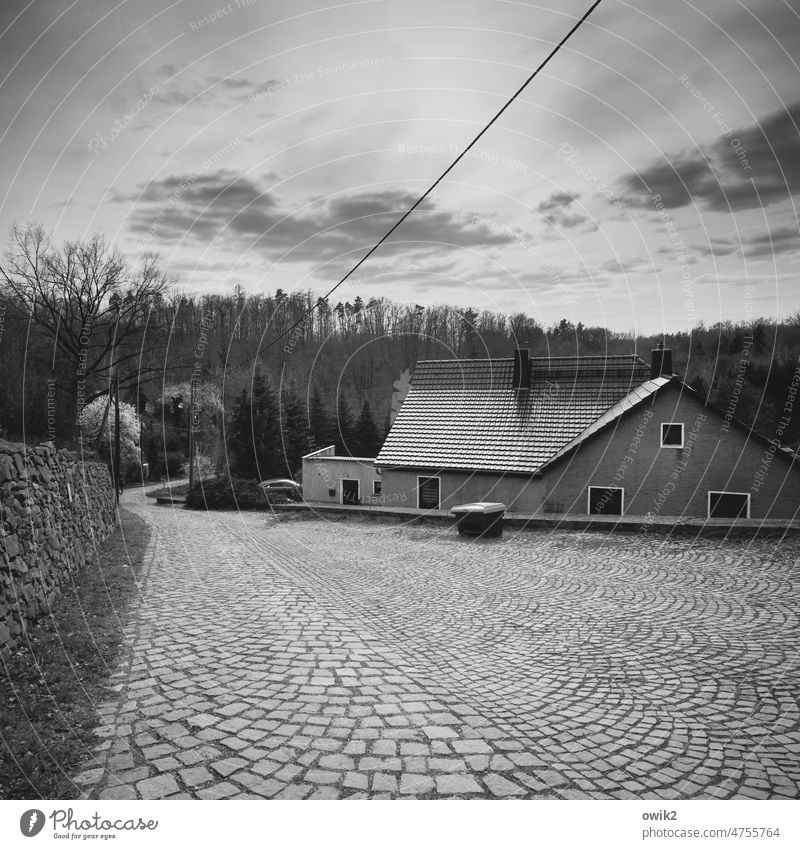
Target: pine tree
(254, 436)
(320, 430)
(759, 339)
(241, 448)
(294, 432)
(343, 427)
(366, 436)
(266, 425)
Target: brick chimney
(522, 368)
(661, 363)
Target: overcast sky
(646, 180)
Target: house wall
(674, 481)
(656, 481)
(521, 494)
(323, 471)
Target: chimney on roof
(522, 368)
(661, 363)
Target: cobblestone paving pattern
(350, 659)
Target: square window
(671, 435)
(606, 500)
(376, 487)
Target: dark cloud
(240, 213)
(782, 240)
(556, 210)
(743, 169)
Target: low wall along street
(53, 510)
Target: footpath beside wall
(54, 510)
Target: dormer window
(671, 435)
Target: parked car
(280, 490)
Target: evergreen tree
(294, 432)
(366, 436)
(759, 339)
(320, 427)
(343, 427)
(241, 449)
(266, 424)
(254, 436)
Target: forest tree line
(281, 373)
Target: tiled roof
(465, 414)
(635, 396)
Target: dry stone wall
(54, 511)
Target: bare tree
(96, 309)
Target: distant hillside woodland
(72, 316)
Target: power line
(429, 190)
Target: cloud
(180, 88)
(743, 169)
(173, 95)
(778, 241)
(556, 210)
(230, 83)
(781, 240)
(241, 213)
(630, 266)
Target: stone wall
(54, 510)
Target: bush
(227, 494)
(203, 467)
(173, 463)
(90, 420)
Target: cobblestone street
(350, 659)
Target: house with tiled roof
(569, 436)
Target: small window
(728, 505)
(605, 500)
(671, 435)
(376, 487)
(428, 493)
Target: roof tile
(465, 414)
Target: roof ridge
(631, 357)
(470, 360)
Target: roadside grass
(50, 687)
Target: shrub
(90, 421)
(226, 494)
(204, 467)
(174, 462)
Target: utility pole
(116, 437)
(191, 431)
